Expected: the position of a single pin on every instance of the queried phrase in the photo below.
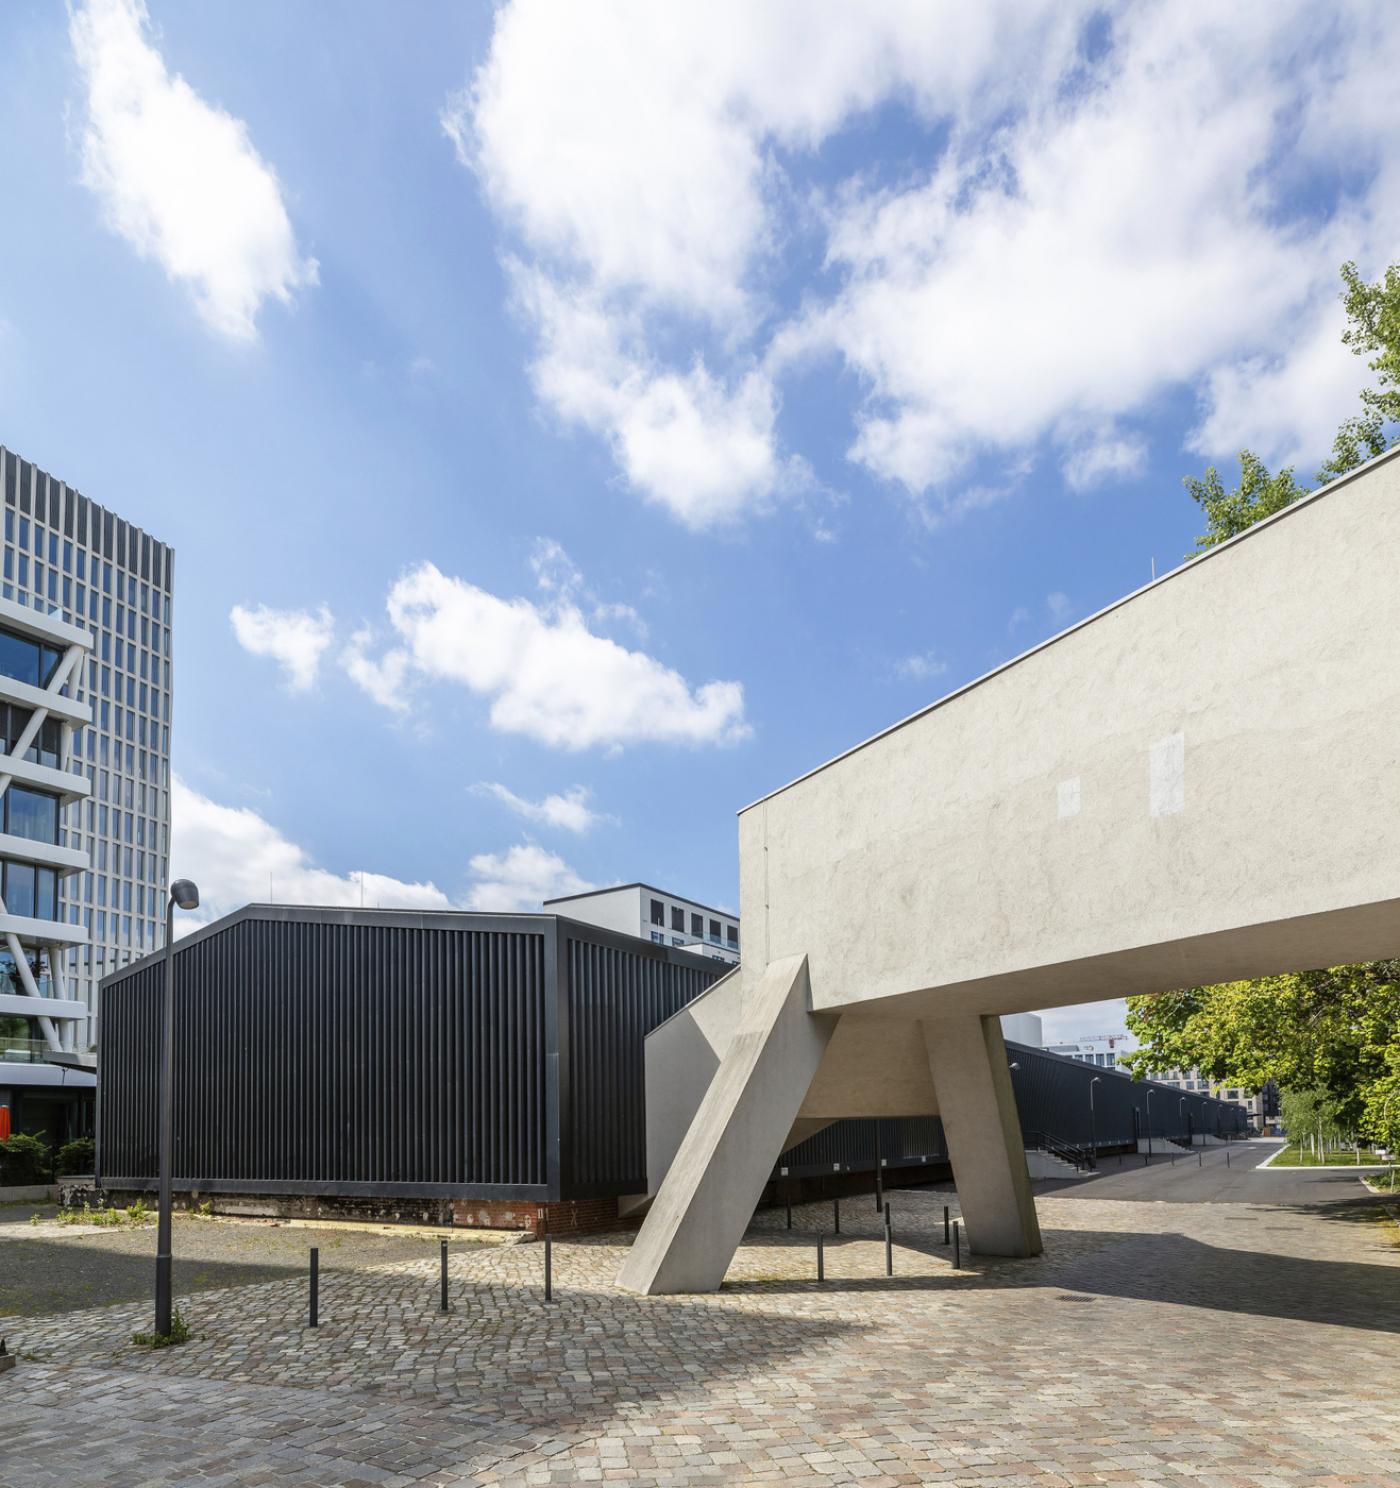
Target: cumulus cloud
(1103, 458)
(547, 674)
(238, 857)
(569, 810)
(920, 667)
(521, 879)
(1095, 222)
(178, 178)
(294, 638)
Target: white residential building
(655, 915)
(1105, 1050)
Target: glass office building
(85, 603)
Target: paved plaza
(1250, 1340)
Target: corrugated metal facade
(1052, 1095)
(367, 1053)
(372, 1053)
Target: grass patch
(130, 1217)
(1294, 1156)
(179, 1333)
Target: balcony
(12, 690)
(43, 932)
(68, 787)
(67, 860)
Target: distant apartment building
(1105, 1050)
(655, 915)
(85, 679)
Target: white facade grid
(655, 915)
(67, 558)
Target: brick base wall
(565, 1217)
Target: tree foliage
(1335, 1032)
(1373, 327)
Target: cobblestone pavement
(1220, 1345)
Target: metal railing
(1082, 1158)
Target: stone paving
(1222, 1345)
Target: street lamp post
(185, 895)
(1180, 1114)
(1093, 1133)
(1150, 1094)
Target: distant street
(1204, 1177)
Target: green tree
(1257, 496)
(1373, 327)
(1334, 1032)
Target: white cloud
(179, 179)
(1103, 458)
(546, 673)
(921, 667)
(238, 857)
(1060, 605)
(702, 448)
(1088, 230)
(569, 810)
(294, 638)
(521, 879)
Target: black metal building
(436, 1056)
(364, 1053)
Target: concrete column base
(713, 1185)
(967, 1059)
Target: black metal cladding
(615, 998)
(1052, 1096)
(357, 1053)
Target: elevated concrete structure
(1200, 783)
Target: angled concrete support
(967, 1059)
(713, 1185)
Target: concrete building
(655, 915)
(85, 716)
(1105, 1050)
(1196, 785)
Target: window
(697, 926)
(677, 940)
(658, 913)
(677, 919)
(47, 747)
(731, 934)
(26, 660)
(714, 931)
(31, 891)
(658, 938)
(31, 814)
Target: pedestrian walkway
(1217, 1344)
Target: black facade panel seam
(279, 1187)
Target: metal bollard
(957, 1245)
(945, 1224)
(789, 1214)
(879, 1187)
(548, 1269)
(442, 1277)
(821, 1260)
(836, 1213)
(889, 1244)
(1227, 1157)
(315, 1286)
(1200, 1160)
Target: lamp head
(185, 893)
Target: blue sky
(574, 421)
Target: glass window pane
(19, 658)
(32, 814)
(19, 888)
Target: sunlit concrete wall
(1201, 782)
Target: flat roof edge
(1184, 567)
